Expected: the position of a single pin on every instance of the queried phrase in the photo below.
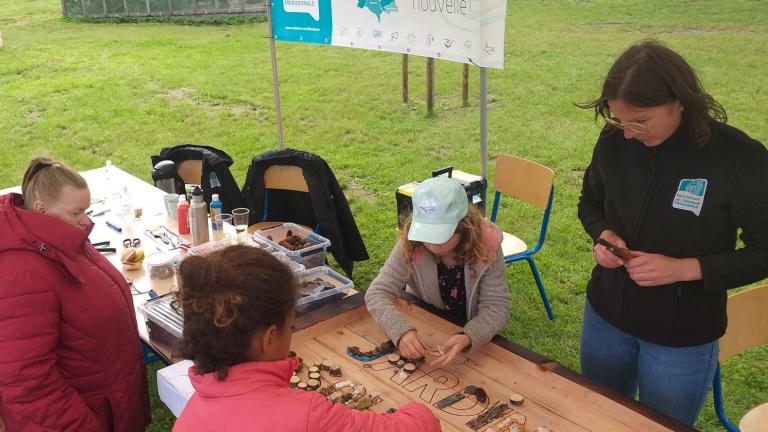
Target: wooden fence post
(405, 78)
(430, 84)
(465, 86)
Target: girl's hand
(655, 269)
(603, 256)
(410, 345)
(450, 349)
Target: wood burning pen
(115, 225)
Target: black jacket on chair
(325, 206)
(216, 179)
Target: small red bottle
(182, 215)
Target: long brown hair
(471, 247)
(227, 297)
(44, 179)
(649, 74)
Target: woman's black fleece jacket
(650, 196)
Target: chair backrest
(191, 170)
(747, 322)
(286, 177)
(523, 179)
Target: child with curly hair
(238, 308)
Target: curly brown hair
(227, 297)
(471, 247)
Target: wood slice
(393, 358)
(516, 399)
(313, 384)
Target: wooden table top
(554, 396)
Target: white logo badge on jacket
(690, 195)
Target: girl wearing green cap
(449, 256)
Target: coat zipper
(636, 228)
(116, 284)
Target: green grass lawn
(88, 92)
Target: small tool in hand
(623, 253)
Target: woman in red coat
(71, 359)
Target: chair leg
(540, 285)
(149, 356)
(717, 396)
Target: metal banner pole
(275, 80)
(484, 122)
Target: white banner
(466, 31)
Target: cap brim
(431, 233)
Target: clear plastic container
(164, 323)
(160, 265)
(328, 276)
(209, 247)
(310, 256)
(259, 242)
(293, 265)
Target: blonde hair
(471, 247)
(44, 179)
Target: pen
(114, 226)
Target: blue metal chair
(747, 329)
(533, 183)
(148, 354)
(283, 177)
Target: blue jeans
(672, 380)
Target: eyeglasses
(176, 305)
(634, 127)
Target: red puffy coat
(70, 358)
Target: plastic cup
(171, 203)
(240, 219)
(227, 227)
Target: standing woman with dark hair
(238, 308)
(671, 182)
(71, 359)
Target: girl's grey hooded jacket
(486, 283)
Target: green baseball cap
(439, 204)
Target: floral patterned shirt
(453, 290)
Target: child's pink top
(255, 397)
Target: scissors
(136, 242)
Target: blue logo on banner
(308, 21)
(378, 7)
